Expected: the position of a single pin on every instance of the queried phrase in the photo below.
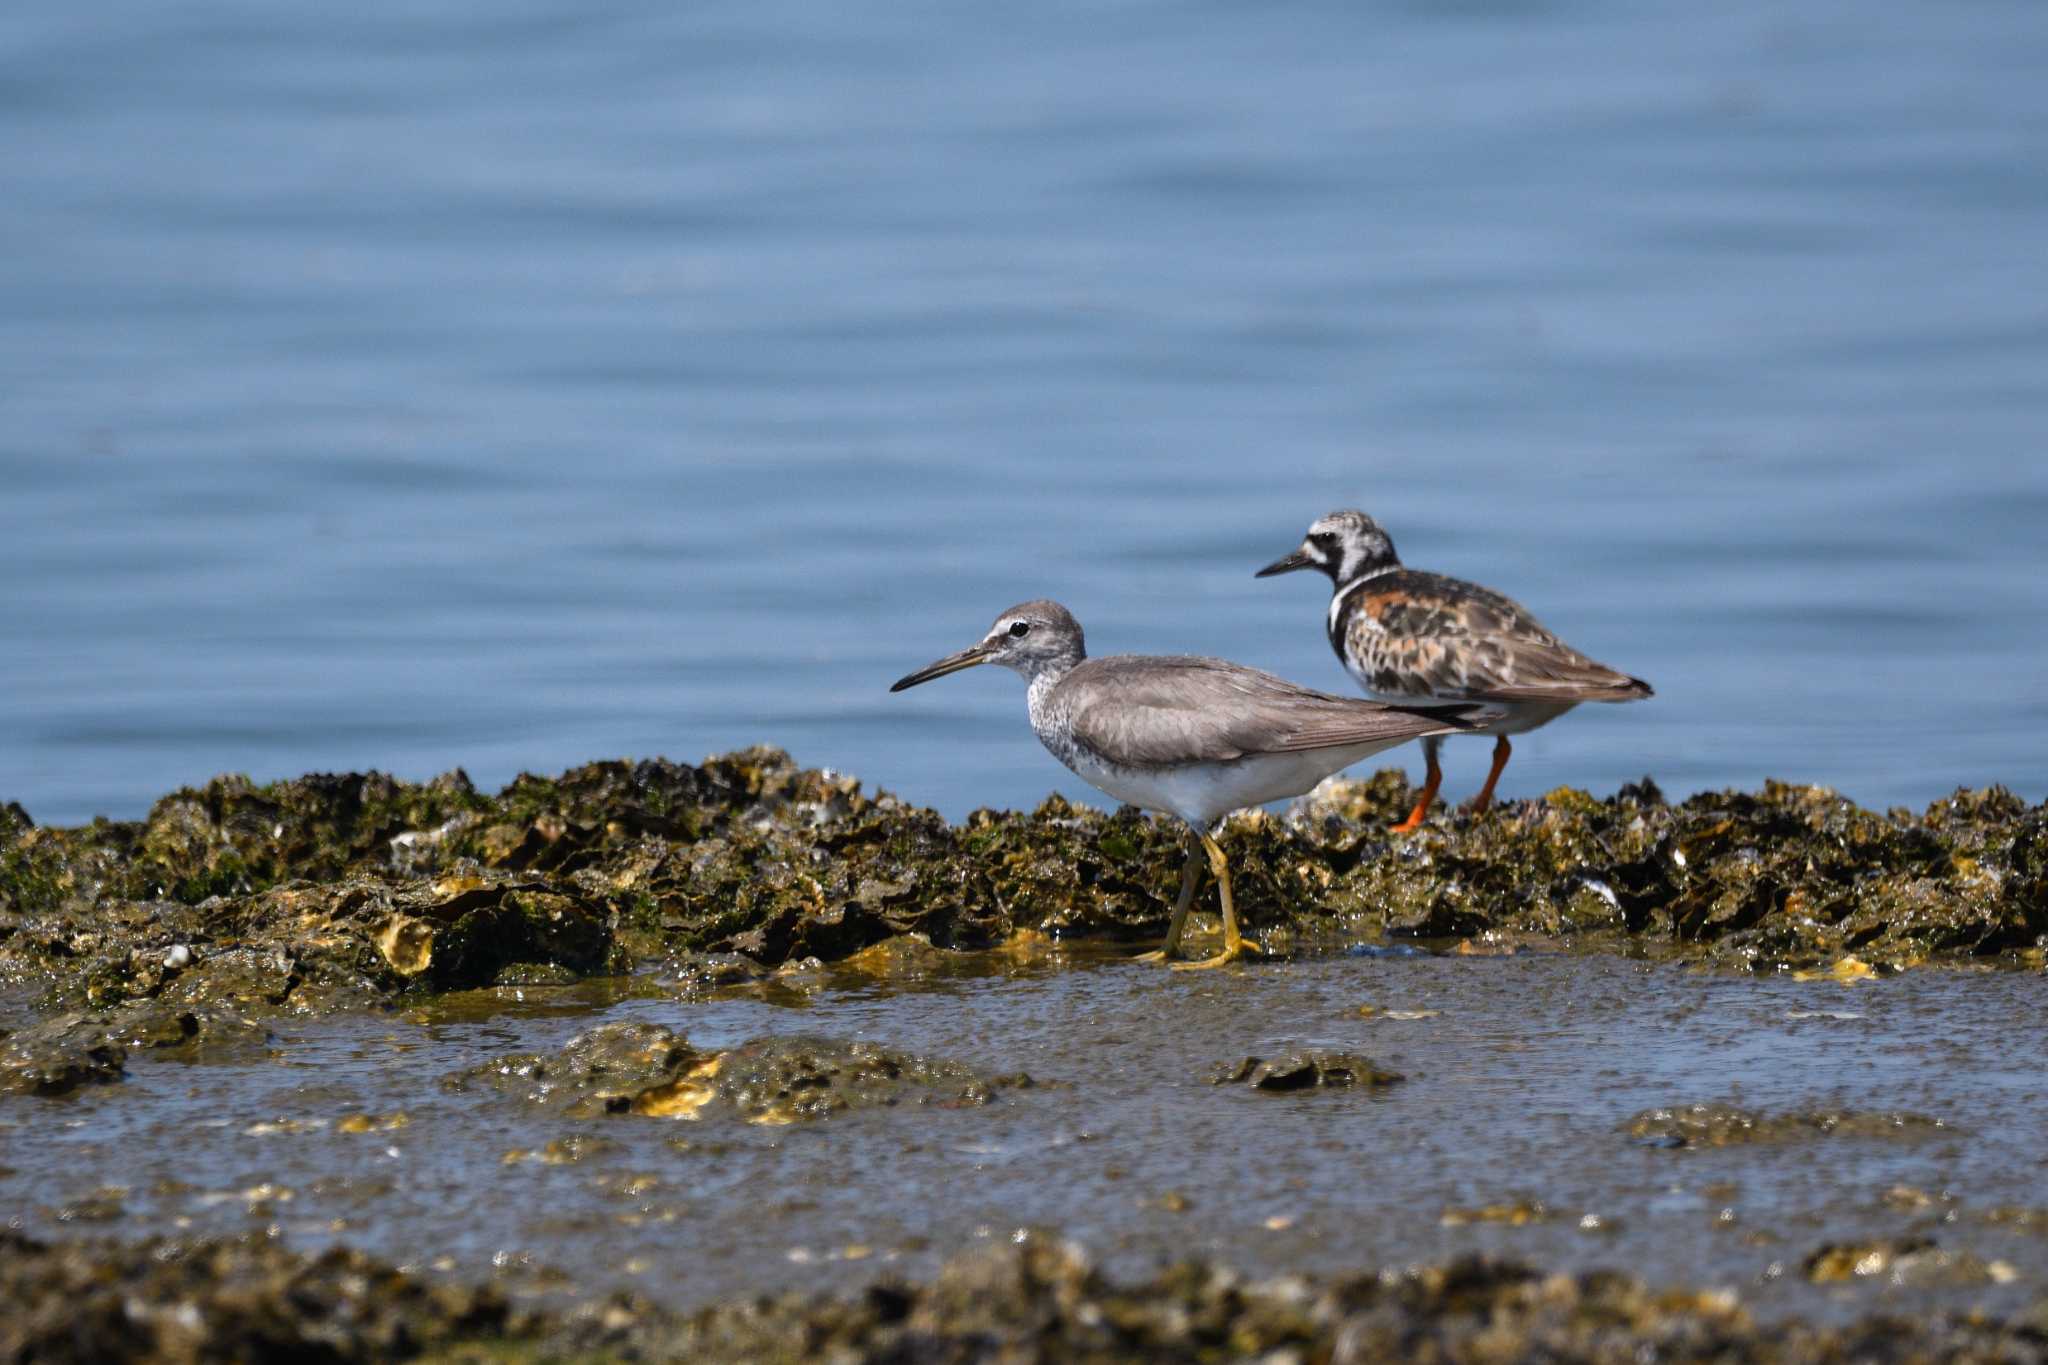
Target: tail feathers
(1458, 715)
(1624, 688)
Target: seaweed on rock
(328, 890)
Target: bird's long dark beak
(952, 663)
(1286, 564)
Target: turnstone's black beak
(1287, 564)
(952, 663)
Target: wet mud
(736, 1061)
(1847, 1151)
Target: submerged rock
(650, 1070)
(1514, 1213)
(1307, 1070)
(66, 1051)
(355, 889)
(1725, 1125)
(1914, 1263)
(57, 1056)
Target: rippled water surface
(1521, 1074)
(510, 385)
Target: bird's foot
(1229, 955)
(1418, 813)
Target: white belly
(1524, 716)
(1203, 793)
(1517, 717)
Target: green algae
(338, 890)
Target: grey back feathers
(1153, 710)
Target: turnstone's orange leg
(1501, 750)
(1429, 786)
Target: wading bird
(1193, 737)
(1407, 636)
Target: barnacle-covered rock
(1310, 1069)
(228, 1300)
(1726, 1125)
(61, 1053)
(650, 1070)
(58, 1055)
(332, 891)
(1917, 1263)
(1031, 1296)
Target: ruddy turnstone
(1193, 737)
(1407, 636)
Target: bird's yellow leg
(1234, 945)
(1190, 878)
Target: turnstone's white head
(1347, 545)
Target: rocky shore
(232, 901)
(235, 912)
(1033, 1297)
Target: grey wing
(1152, 710)
(1424, 635)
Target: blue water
(508, 385)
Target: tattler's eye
(1019, 629)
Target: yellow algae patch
(1833, 1265)
(407, 944)
(1380, 1012)
(676, 1100)
(900, 956)
(561, 1151)
(1847, 970)
(449, 887)
(1489, 944)
(1572, 799)
(683, 1097)
(271, 1127)
(1518, 1214)
(1028, 945)
(371, 1123)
